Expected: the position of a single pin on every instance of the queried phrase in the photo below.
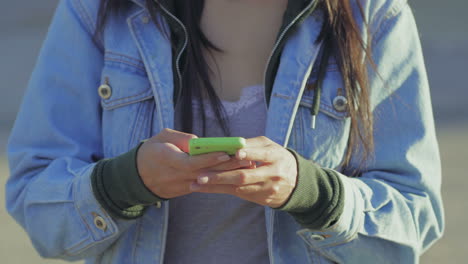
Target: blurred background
(444, 35)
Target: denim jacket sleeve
(394, 210)
(52, 149)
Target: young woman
(341, 163)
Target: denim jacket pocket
(128, 107)
(326, 144)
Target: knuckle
(267, 201)
(266, 140)
(188, 165)
(181, 165)
(159, 151)
(276, 178)
(281, 172)
(273, 190)
(165, 131)
(269, 153)
(242, 178)
(214, 178)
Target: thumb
(177, 138)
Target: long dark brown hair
(340, 34)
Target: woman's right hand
(168, 171)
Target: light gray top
(219, 228)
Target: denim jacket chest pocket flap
(333, 99)
(326, 144)
(127, 81)
(127, 101)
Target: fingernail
(242, 154)
(203, 180)
(195, 187)
(224, 158)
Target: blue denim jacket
(392, 213)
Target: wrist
(119, 187)
(317, 200)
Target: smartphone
(230, 145)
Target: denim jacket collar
(293, 8)
(139, 2)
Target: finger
(226, 189)
(232, 164)
(266, 154)
(176, 189)
(266, 194)
(177, 138)
(237, 177)
(180, 160)
(204, 161)
(264, 190)
(260, 141)
(169, 154)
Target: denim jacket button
(340, 103)
(158, 205)
(317, 237)
(145, 20)
(99, 222)
(105, 91)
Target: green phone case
(214, 144)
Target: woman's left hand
(270, 183)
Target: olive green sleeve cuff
(317, 201)
(119, 188)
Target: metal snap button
(99, 222)
(105, 91)
(317, 237)
(340, 103)
(158, 204)
(145, 20)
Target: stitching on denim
(124, 98)
(137, 34)
(129, 63)
(329, 111)
(76, 248)
(135, 239)
(85, 17)
(324, 107)
(136, 124)
(300, 136)
(395, 9)
(69, 251)
(126, 56)
(92, 24)
(79, 211)
(287, 97)
(307, 102)
(137, 63)
(143, 114)
(126, 68)
(384, 25)
(146, 122)
(139, 67)
(127, 103)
